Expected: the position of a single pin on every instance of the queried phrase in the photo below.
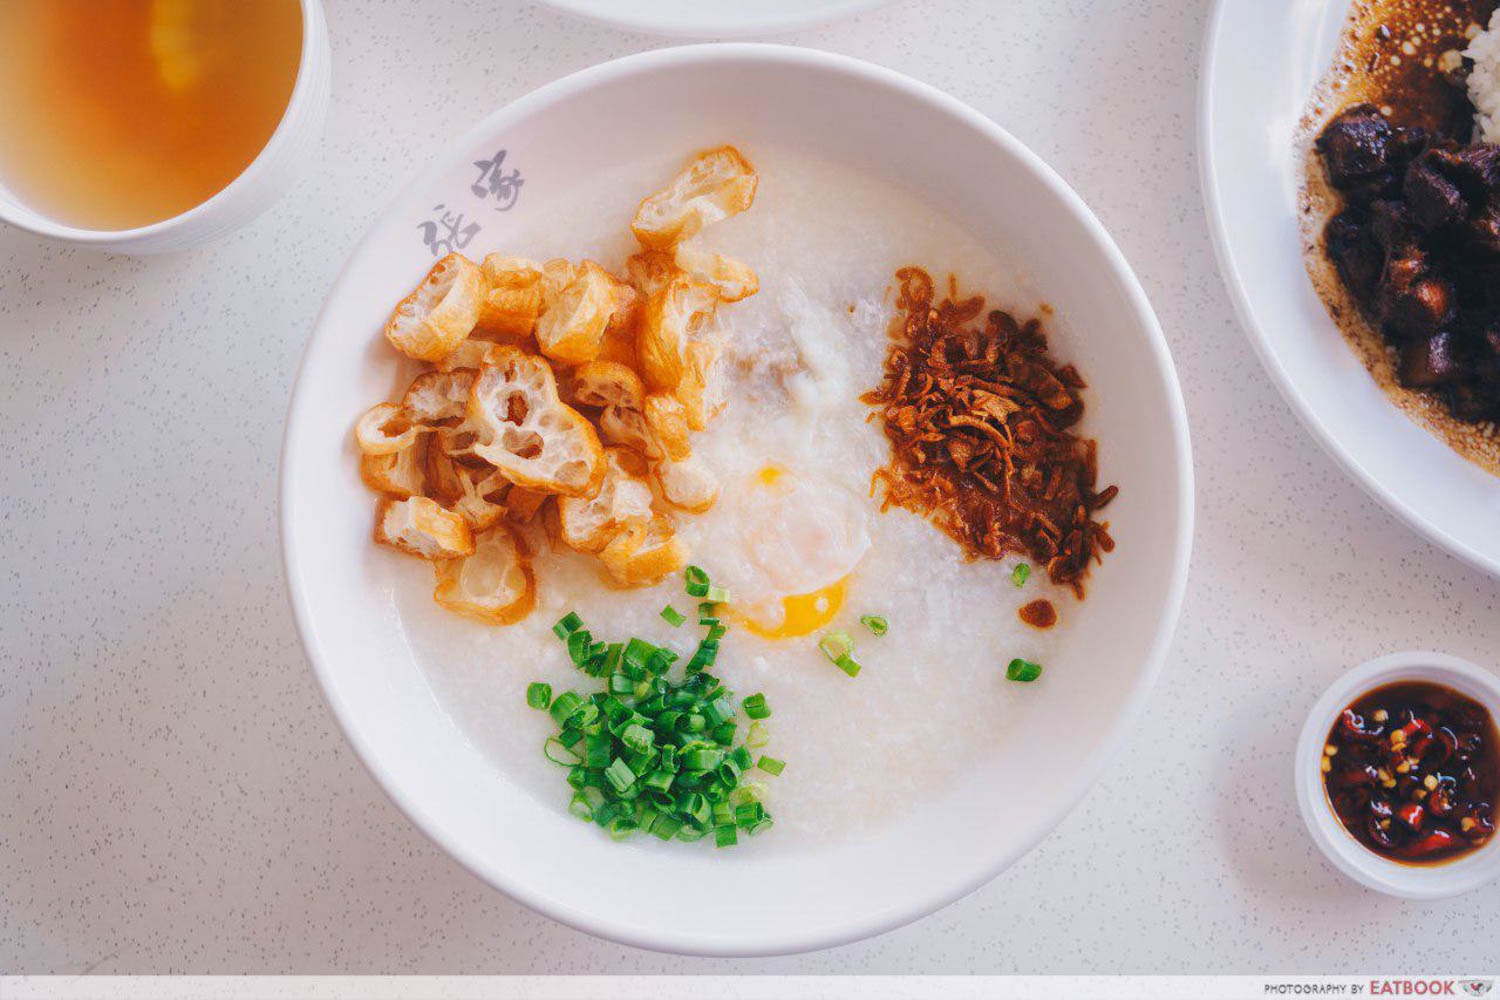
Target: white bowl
(1350, 856)
(1261, 61)
(285, 154)
(745, 902)
(713, 18)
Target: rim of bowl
(676, 28)
(1245, 312)
(789, 940)
(1435, 881)
(39, 223)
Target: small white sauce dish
(288, 150)
(1408, 881)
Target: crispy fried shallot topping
(980, 422)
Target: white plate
(743, 902)
(1261, 61)
(713, 18)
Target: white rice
(1484, 81)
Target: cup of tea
(146, 126)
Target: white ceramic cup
(249, 194)
(1433, 881)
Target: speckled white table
(174, 796)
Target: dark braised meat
(1418, 246)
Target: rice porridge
(794, 451)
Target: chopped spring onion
(584, 802)
(718, 710)
(771, 765)
(748, 814)
(1020, 574)
(1023, 670)
(619, 774)
(848, 665)
(655, 749)
(696, 581)
(580, 647)
(638, 653)
(704, 656)
(875, 623)
(638, 738)
(835, 645)
(558, 753)
(755, 707)
(701, 759)
(563, 706)
(749, 791)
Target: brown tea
(120, 113)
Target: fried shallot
(981, 425)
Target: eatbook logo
(1477, 987)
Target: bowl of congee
(736, 499)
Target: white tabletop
(174, 795)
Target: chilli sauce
(1412, 770)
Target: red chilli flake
(979, 419)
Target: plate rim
(788, 941)
(1270, 361)
(741, 28)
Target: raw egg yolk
(804, 613)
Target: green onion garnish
(567, 625)
(656, 748)
(717, 595)
(875, 623)
(701, 759)
(619, 774)
(771, 765)
(696, 582)
(563, 706)
(557, 753)
(835, 645)
(1023, 670)
(704, 656)
(1020, 574)
(848, 665)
